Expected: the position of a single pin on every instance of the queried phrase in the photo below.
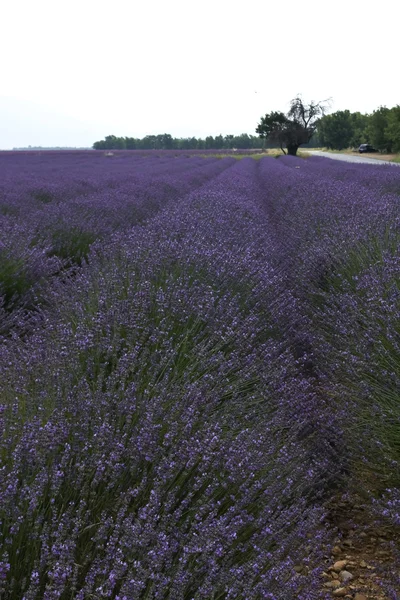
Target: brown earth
(362, 552)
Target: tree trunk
(292, 149)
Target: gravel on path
(351, 158)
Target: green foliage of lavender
(195, 354)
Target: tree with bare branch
(294, 128)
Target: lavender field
(196, 355)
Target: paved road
(351, 158)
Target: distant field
(199, 376)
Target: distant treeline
(344, 129)
(341, 129)
(165, 141)
(35, 148)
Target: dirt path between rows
(362, 555)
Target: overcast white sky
(75, 71)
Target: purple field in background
(187, 348)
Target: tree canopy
(344, 129)
(294, 128)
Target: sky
(74, 71)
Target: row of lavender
(346, 267)
(341, 227)
(53, 208)
(171, 417)
(339, 232)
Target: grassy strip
(273, 153)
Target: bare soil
(365, 549)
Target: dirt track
(350, 158)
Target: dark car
(366, 148)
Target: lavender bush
(180, 382)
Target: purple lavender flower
(190, 347)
